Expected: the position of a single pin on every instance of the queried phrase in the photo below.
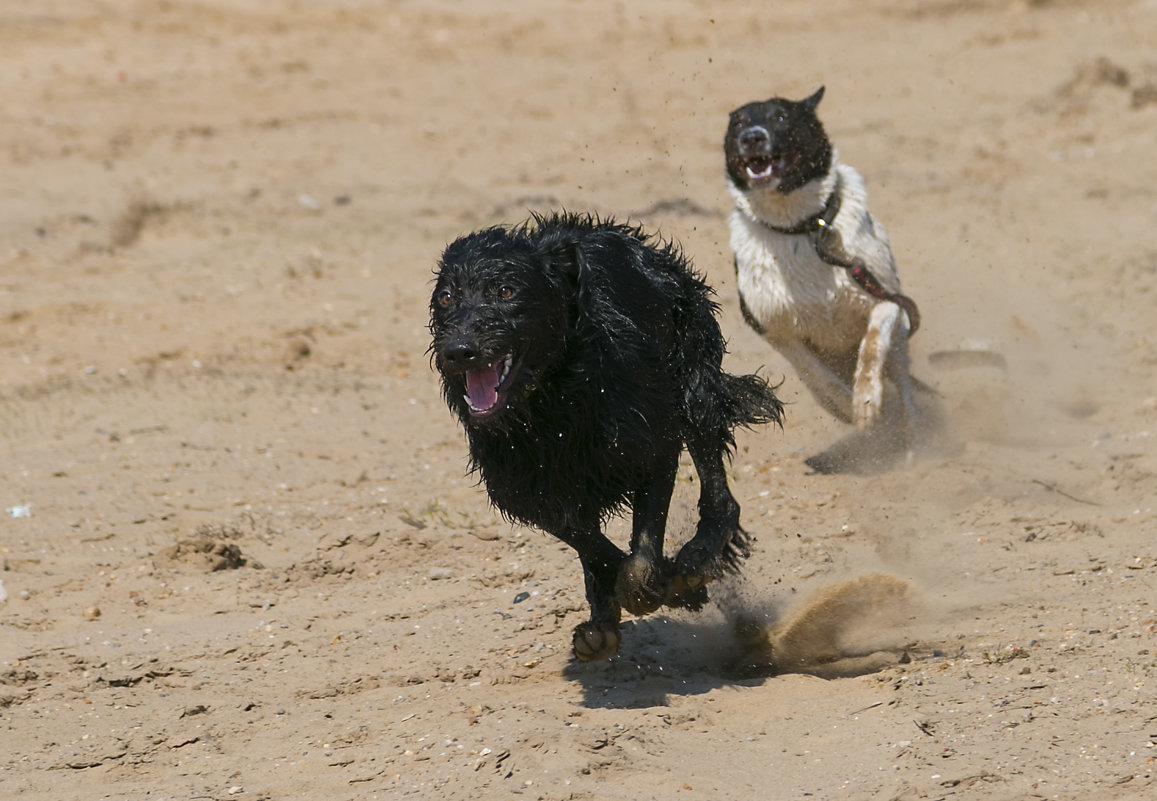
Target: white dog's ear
(814, 100)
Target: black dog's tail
(749, 401)
(716, 402)
(719, 403)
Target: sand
(241, 556)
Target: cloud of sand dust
(849, 628)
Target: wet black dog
(581, 357)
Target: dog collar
(820, 219)
(829, 245)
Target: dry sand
(241, 558)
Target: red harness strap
(829, 246)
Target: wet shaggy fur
(581, 357)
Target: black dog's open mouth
(760, 169)
(486, 387)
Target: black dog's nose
(754, 139)
(460, 353)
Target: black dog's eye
(444, 298)
(505, 292)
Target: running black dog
(581, 357)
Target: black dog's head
(498, 317)
(777, 144)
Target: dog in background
(581, 357)
(815, 271)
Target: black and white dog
(582, 356)
(814, 269)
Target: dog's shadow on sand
(837, 632)
(886, 448)
(661, 657)
(859, 454)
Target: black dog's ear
(563, 261)
(813, 101)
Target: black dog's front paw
(595, 641)
(696, 564)
(712, 553)
(642, 585)
(681, 595)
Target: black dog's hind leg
(644, 575)
(599, 637)
(719, 544)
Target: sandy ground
(241, 558)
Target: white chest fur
(786, 287)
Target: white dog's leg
(898, 371)
(832, 393)
(887, 329)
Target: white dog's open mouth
(486, 386)
(765, 168)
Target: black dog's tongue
(482, 386)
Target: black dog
(581, 357)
